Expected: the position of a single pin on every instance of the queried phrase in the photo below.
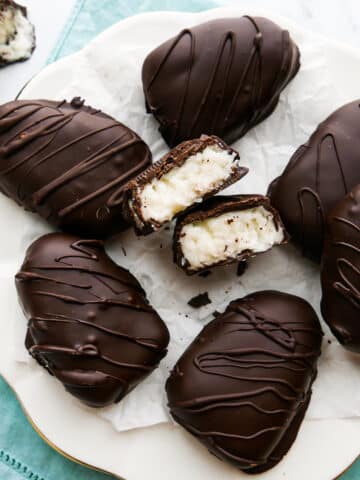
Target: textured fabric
(92, 17)
(23, 454)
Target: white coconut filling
(215, 239)
(16, 35)
(162, 198)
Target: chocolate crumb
(205, 274)
(199, 300)
(241, 268)
(77, 102)
(124, 251)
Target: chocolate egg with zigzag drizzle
(340, 271)
(219, 78)
(317, 177)
(69, 163)
(243, 386)
(89, 322)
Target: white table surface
(338, 19)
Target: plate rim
(126, 22)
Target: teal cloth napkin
(23, 454)
(92, 17)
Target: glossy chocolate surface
(243, 386)
(317, 177)
(340, 271)
(221, 77)
(89, 322)
(69, 163)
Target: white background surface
(338, 19)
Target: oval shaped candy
(340, 271)
(69, 163)
(243, 386)
(218, 78)
(317, 177)
(89, 322)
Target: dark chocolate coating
(213, 207)
(10, 4)
(89, 322)
(242, 387)
(69, 163)
(340, 271)
(173, 159)
(221, 77)
(317, 177)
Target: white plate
(323, 449)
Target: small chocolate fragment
(199, 300)
(243, 386)
(192, 171)
(317, 177)
(226, 229)
(242, 267)
(220, 78)
(17, 34)
(89, 322)
(69, 163)
(340, 271)
(205, 273)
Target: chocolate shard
(205, 273)
(69, 163)
(243, 386)
(192, 171)
(220, 78)
(200, 300)
(89, 322)
(340, 271)
(317, 177)
(17, 34)
(226, 229)
(242, 267)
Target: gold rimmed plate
(324, 448)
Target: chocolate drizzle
(68, 162)
(243, 386)
(227, 75)
(340, 273)
(89, 322)
(317, 176)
